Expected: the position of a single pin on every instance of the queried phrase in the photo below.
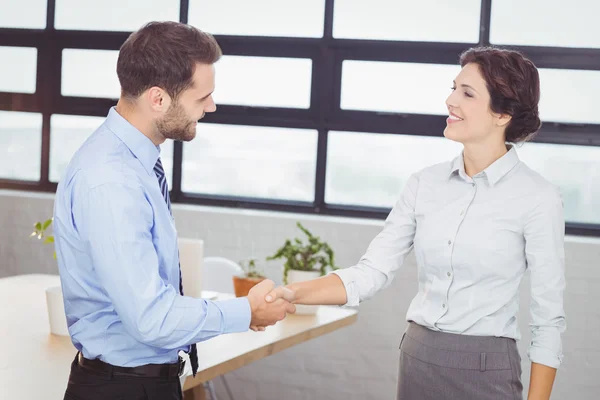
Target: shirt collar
(139, 144)
(494, 172)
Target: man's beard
(176, 124)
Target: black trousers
(89, 385)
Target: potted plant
(252, 276)
(54, 297)
(39, 231)
(305, 260)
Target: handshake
(269, 305)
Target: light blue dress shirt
(116, 246)
(474, 239)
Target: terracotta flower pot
(242, 285)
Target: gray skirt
(437, 365)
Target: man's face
(183, 114)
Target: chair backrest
(217, 273)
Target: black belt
(168, 371)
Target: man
(115, 236)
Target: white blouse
(474, 238)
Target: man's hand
(263, 313)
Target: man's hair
(164, 54)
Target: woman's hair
(514, 86)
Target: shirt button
(443, 305)
(448, 273)
(462, 212)
(449, 242)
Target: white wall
(358, 362)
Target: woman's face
(470, 118)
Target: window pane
(263, 81)
(569, 95)
(19, 73)
(396, 87)
(575, 170)
(546, 23)
(113, 15)
(90, 73)
(250, 161)
(67, 134)
(292, 18)
(371, 169)
(21, 137)
(28, 14)
(424, 20)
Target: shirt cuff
(540, 355)
(236, 314)
(349, 281)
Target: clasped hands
(269, 304)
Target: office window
(546, 23)
(569, 95)
(251, 161)
(396, 87)
(371, 169)
(263, 81)
(113, 15)
(423, 21)
(289, 18)
(21, 141)
(18, 69)
(90, 73)
(24, 14)
(67, 134)
(575, 170)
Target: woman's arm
(376, 268)
(327, 290)
(540, 384)
(544, 249)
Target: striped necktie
(164, 188)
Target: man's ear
(158, 99)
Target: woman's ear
(502, 119)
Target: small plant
(250, 268)
(251, 277)
(40, 229)
(316, 255)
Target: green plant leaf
(38, 226)
(49, 239)
(47, 224)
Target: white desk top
(34, 364)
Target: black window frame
(324, 115)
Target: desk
(35, 364)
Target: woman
(477, 224)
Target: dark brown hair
(164, 54)
(514, 86)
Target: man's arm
(115, 221)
